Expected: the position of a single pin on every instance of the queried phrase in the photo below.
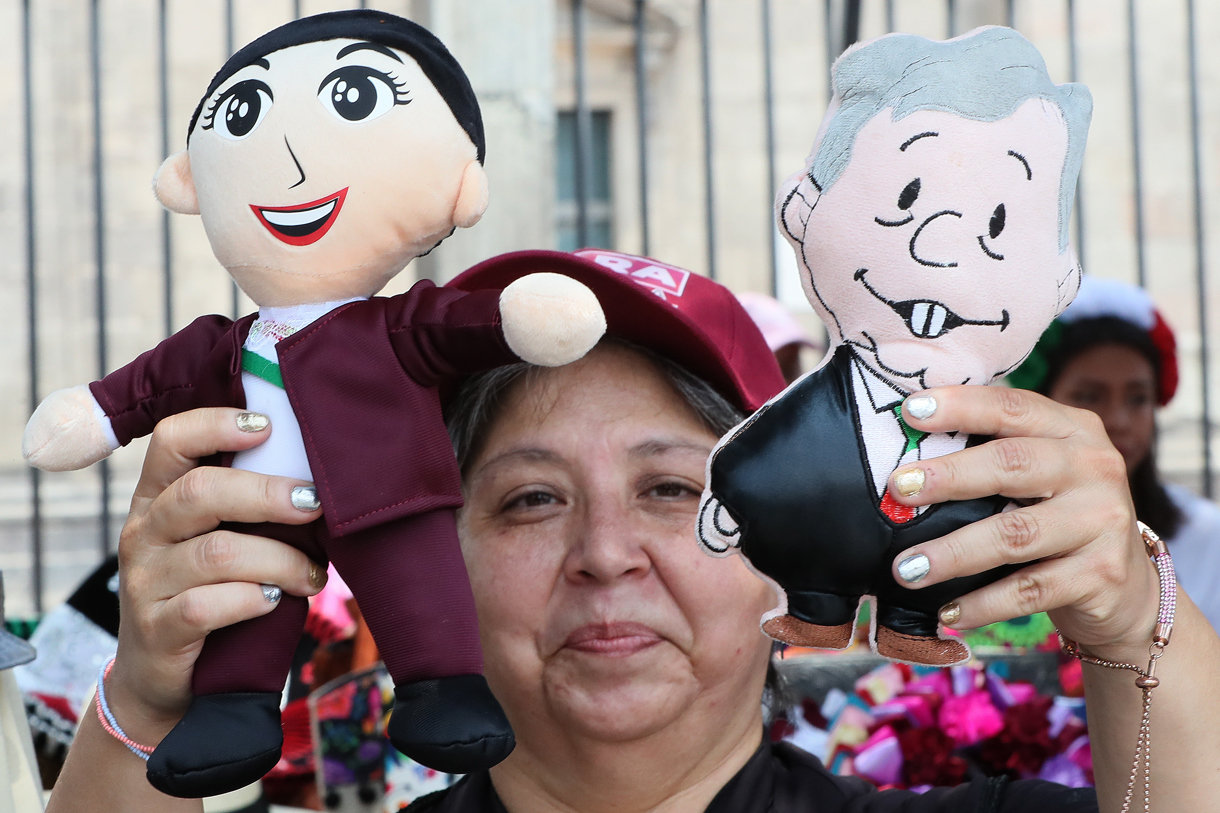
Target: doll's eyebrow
(367, 46)
(1029, 173)
(915, 138)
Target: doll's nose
(295, 163)
(932, 242)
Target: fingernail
(921, 407)
(909, 482)
(272, 593)
(305, 498)
(914, 568)
(950, 614)
(252, 421)
(317, 576)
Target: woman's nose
(607, 546)
(932, 243)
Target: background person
(1112, 353)
(631, 664)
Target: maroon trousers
(408, 578)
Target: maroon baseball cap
(682, 316)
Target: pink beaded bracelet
(1147, 680)
(107, 719)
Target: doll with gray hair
(930, 225)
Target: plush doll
(930, 225)
(324, 157)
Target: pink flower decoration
(970, 718)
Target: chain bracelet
(1147, 680)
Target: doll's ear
(472, 197)
(174, 185)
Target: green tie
(914, 436)
(269, 371)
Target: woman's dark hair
(1153, 505)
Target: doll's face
(324, 168)
(936, 252)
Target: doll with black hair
(1112, 352)
(324, 157)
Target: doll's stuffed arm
(550, 319)
(68, 431)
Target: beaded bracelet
(1147, 680)
(107, 719)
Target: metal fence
(1152, 250)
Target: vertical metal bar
(236, 302)
(769, 116)
(31, 299)
(1133, 65)
(851, 23)
(167, 248)
(1073, 76)
(641, 116)
(584, 125)
(1011, 13)
(709, 181)
(889, 15)
(364, 3)
(951, 17)
(296, 9)
(1200, 247)
(99, 251)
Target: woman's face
(600, 616)
(1118, 383)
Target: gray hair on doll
(983, 76)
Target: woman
(630, 664)
(1112, 353)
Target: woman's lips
(615, 638)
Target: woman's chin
(617, 698)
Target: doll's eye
(359, 93)
(240, 109)
(908, 195)
(997, 222)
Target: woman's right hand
(180, 578)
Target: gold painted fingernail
(950, 614)
(921, 407)
(909, 482)
(305, 498)
(252, 421)
(317, 576)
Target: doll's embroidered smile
(304, 224)
(927, 319)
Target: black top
(781, 778)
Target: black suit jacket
(795, 477)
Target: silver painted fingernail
(252, 421)
(914, 568)
(305, 498)
(921, 407)
(272, 593)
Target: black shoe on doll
(450, 724)
(222, 743)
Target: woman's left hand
(1075, 527)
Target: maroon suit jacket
(362, 381)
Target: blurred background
(660, 127)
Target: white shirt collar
(882, 395)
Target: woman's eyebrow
(529, 454)
(656, 446)
(366, 46)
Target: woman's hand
(180, 578)
(1076, 524)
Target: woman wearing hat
(1111, 352)
(630, 664)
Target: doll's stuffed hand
(64, 433)
(550, 319)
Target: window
(600, 218)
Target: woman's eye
(997, 222)
(532, 499)
(359, 93)
(670, 491)
(241, 109)
(909, 194)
